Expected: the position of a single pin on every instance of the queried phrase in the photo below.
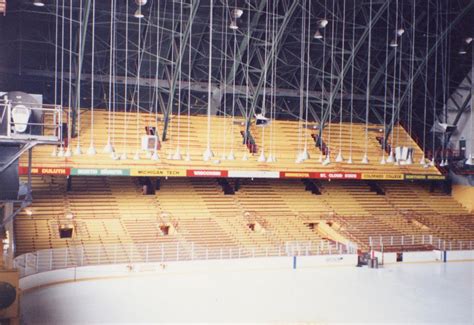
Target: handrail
(90, 255)
(406, 240)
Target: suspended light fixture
(261, 158)
(237, 13)
(391, 158)
(138, 13)
(318, 35)
(61, 152)
(323, 23)
(233, 25)
(55, 152)
(470, 160)
(177, 154)
(423, 160)
(400, 31)
(339, 157)
(38, 3)
(327, 161)
(365, 159)
(462, 51)
(155, 155)
(468, 40)
(393, 43)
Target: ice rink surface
(408, 293)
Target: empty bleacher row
(283, 139)
(261, 213)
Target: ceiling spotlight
(237, 13)
(323, 23)
(462, 51)
(393, 43)
(468, 40)
(233, 25)
(38, 3)
(141, 2)
(400, 31)
(138, 14)
(318, 35)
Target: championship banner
(157, 172)
(375, 176)
(436, 177)
(295, 175)
(44, 171)
(206, 173)
(336, 175)
(415, 177)
(100, 172)
(252, 174)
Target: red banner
(329, 175)
(45, 171)
(207, 173)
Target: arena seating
(112, 211)
(127, 129)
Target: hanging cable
(208, 154)
(114, 84)
(247, 94)
(305, 154)
(171, 98)
(54, 153)
(400, 63)
(231, 155)
(108, 147)
(61, 148)
(262, 158)
(423, 158)
(433, 158)
(225, 13)
(409, 160)
(124, 155)
(91, 150)
(365, 159)
(349, 160)
(139, 63)
(271, 156)
(177, 153)
(300, 156)
(155, 155)
(68, 152)
(383, 161)
(78, 150)
(327, 161)
(391, 157)
(340, 157)
(188, 153)
(323, 94)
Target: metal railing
(90, 255)
(411, 240)
(48, 128)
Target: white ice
(415, 293)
